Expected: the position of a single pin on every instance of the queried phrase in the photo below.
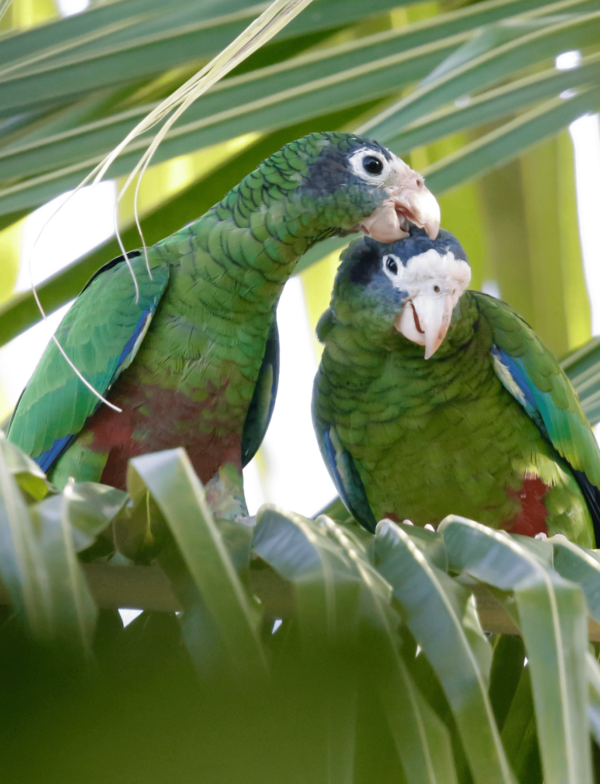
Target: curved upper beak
(425, 320)
(419, 206)
(409, 201)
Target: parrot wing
(532, 374)
(343, 471)
(100, 334)
(263, 399)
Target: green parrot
(433, 400)
(183, 338)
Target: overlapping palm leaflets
(350, 610)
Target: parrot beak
(409, 201)
(434, 284)
(419, 206)
(425, 320)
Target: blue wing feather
(345, 476)
(515, 368)
(47, 459)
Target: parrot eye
(391, 264)
(367, 164)
(372, 165)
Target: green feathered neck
(249, 243)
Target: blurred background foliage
(388, 681)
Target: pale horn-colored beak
(420, 207)
(409, 201)
(425, 320)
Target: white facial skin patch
(434, 284)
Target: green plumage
(193, 361)
(455, 434)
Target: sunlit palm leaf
(557, 661)
(456, 649)
(178, 493)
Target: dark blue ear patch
(366, 258)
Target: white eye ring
(391, 265)
(360, 161)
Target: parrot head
(409, 287)
(353, 184)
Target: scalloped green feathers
(489, 428)
(194, 361)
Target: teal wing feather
(101, 334)
(263, 400)
(534, 377)
(531, 373)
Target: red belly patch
(531, 520)
(154, 419)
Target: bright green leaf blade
(421, 739)
(89, 508)
(73, 609)
(574, 32)
(38, 565)
(545, 602)
(580, 566)
(30, 477)
(519, 733)
(495, 104)
(507, 665)
(435, 609)
(326, 590)
(565, 665)
(178, 492)
(326, 587)
(508, 141)
(22, 567)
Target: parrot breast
(153, 419)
